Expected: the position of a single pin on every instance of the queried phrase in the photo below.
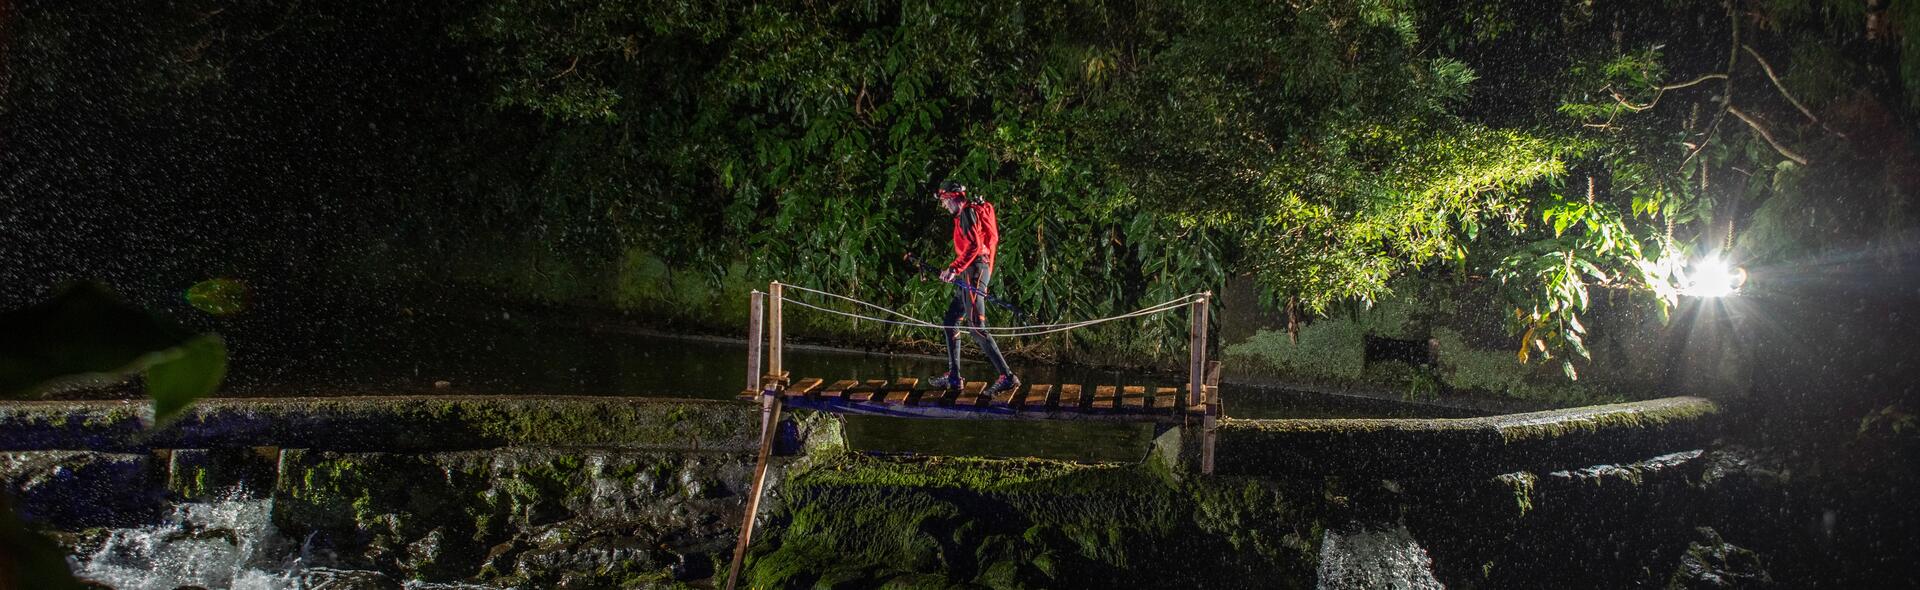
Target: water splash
(226, 544)
(230, 544)
(1356, 557)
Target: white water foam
(230, 544)
(1359, 557)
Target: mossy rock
(1463, 447)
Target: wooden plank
(775, 381)
(1163, 397)
(804, 387)
(970, 394)
(748, 394)
(1103, 397)
(1035, 398)
(931, 396)
(1213, 372)
(1018, 398)
(865, 392)
(1133, 397)
(838, 389)
(1009, 399)
(1069, 398)
(902, 391)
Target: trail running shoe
(949, 381)
(1005, 383)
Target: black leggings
(971, 309)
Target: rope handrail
(1010, 331)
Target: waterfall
(228, 544)
(1357, 556)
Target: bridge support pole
(1198, 380)
(774, 330)
(770, 403)
(1197, 351)
(755, 319)
(770, 406)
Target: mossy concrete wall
(611, 493)
(392, 424)
(1391, 447)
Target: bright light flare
(1711, 277)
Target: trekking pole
(1018, 313)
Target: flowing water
(230, 544)
(1361, 557)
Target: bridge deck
(907, 397)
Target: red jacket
(976, 235)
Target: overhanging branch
(1764, 134)
(1768, 68)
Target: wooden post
(769, 429)
(754, 322)
(1197, 351)
(774, 334)
(1204, 312)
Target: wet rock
(332, 579)
(1635, 473)
(690, 566)
(1712, 562)
(204, 475)
(81, 489)
(598, 561)
(692, 483)
(423, 555)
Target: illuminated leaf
(180, 375)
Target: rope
(916, 321)
(1010, 331)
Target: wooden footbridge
(1196, 407)
(907, 397)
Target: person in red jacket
(976, 235)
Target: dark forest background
(330, 165)
(326, 166)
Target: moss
(1641, 416)
(1522, 484)
(1386, 447)
(587, 422)
(969, 473)
(864, 521)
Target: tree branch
(569, 70)
(1698, 80)
(1768, 68)
(1659, 91)
(1797, 158)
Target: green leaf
(220, 297)
(84, 332)
(1578, 346)
(180, 375)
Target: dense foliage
(1136, 151)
